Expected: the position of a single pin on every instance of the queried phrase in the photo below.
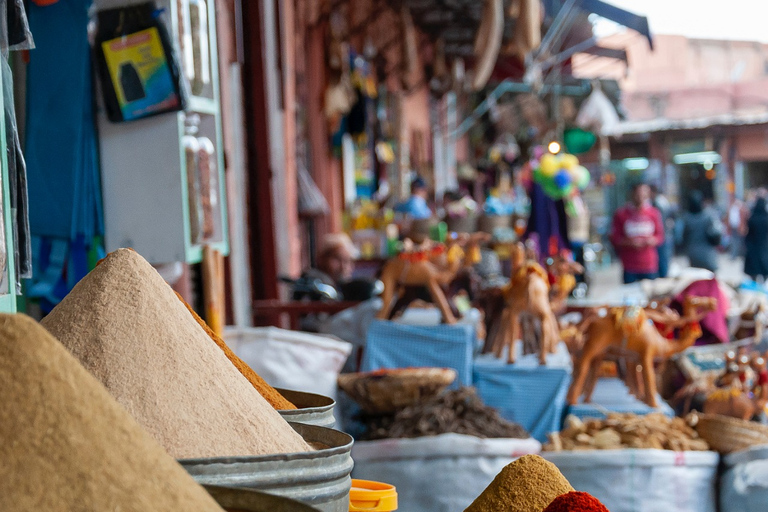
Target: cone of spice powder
(576, 502)
(128, 328)
(68, 446)
(528, 484)
(269, 393)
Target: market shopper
(335, 263)
(756, 241)
(416, 206)
(702, 232)
(666, 248)
(738, 215)
(636, 234)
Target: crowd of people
(646, 231)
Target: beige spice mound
(67, 445)
(528, 484)
(127, 327)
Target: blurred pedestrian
(636, 235)
(756, 242)
(416, 206)
(702, 232)
(665, 250)
(738, 215)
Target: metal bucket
(232, 499)
(312, 409)
(320, 478)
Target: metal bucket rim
(304, 410)
(303, 429)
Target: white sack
(442, 473)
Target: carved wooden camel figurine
(629, 328)
(564, 270)
(429, 267)
(526, 294)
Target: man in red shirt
(637, 232)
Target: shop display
(209, 186)
(527, 294)
(628, 329)
(529, 484)
(270, 394)
(68, 445)
(576, 501)
(618, 431)
(460, 412)
(136, 62)
(191, 147)
(126, 325)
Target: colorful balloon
(562, 179)
(549, 164)
(583, 180)
(569, 161)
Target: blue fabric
(63, 176)
(416, 207)
(394, 345)
(611, 395)
(532, 397)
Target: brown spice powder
(126, 326)
(67, 445)
(528, 484)
(269, 393)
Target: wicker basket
(385, 391)
(725, 434)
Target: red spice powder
(576, 501)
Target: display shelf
(144, 170)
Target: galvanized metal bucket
(312, 409)
(320, 478)
(246, 500)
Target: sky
(711, 19)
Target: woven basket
(386, 391)
(725, 434)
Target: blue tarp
(534, 397)
(611, 395)
(395, 345)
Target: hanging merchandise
(209, 186)
(191, 152)
(195, 49)
(137, 67)
(64, 185)
(578, 141)
(597, 113)
(15, 33)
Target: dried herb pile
(458, 412)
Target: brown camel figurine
(629, 329)
(564, 269)
(526, 294)
(431, 267)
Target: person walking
(756, 242)
(636, 234)
(738, 214)
(666, 248)
(702, 232)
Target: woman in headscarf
(702, 232)
(756, 241)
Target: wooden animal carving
(429, 268)
(629, 330)
(563, 270)
(526, 294)
(745, 389)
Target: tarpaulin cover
(395, 345)
(744, 484)
(530, 395)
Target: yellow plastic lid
(372, 496)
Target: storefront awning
(625, 18)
